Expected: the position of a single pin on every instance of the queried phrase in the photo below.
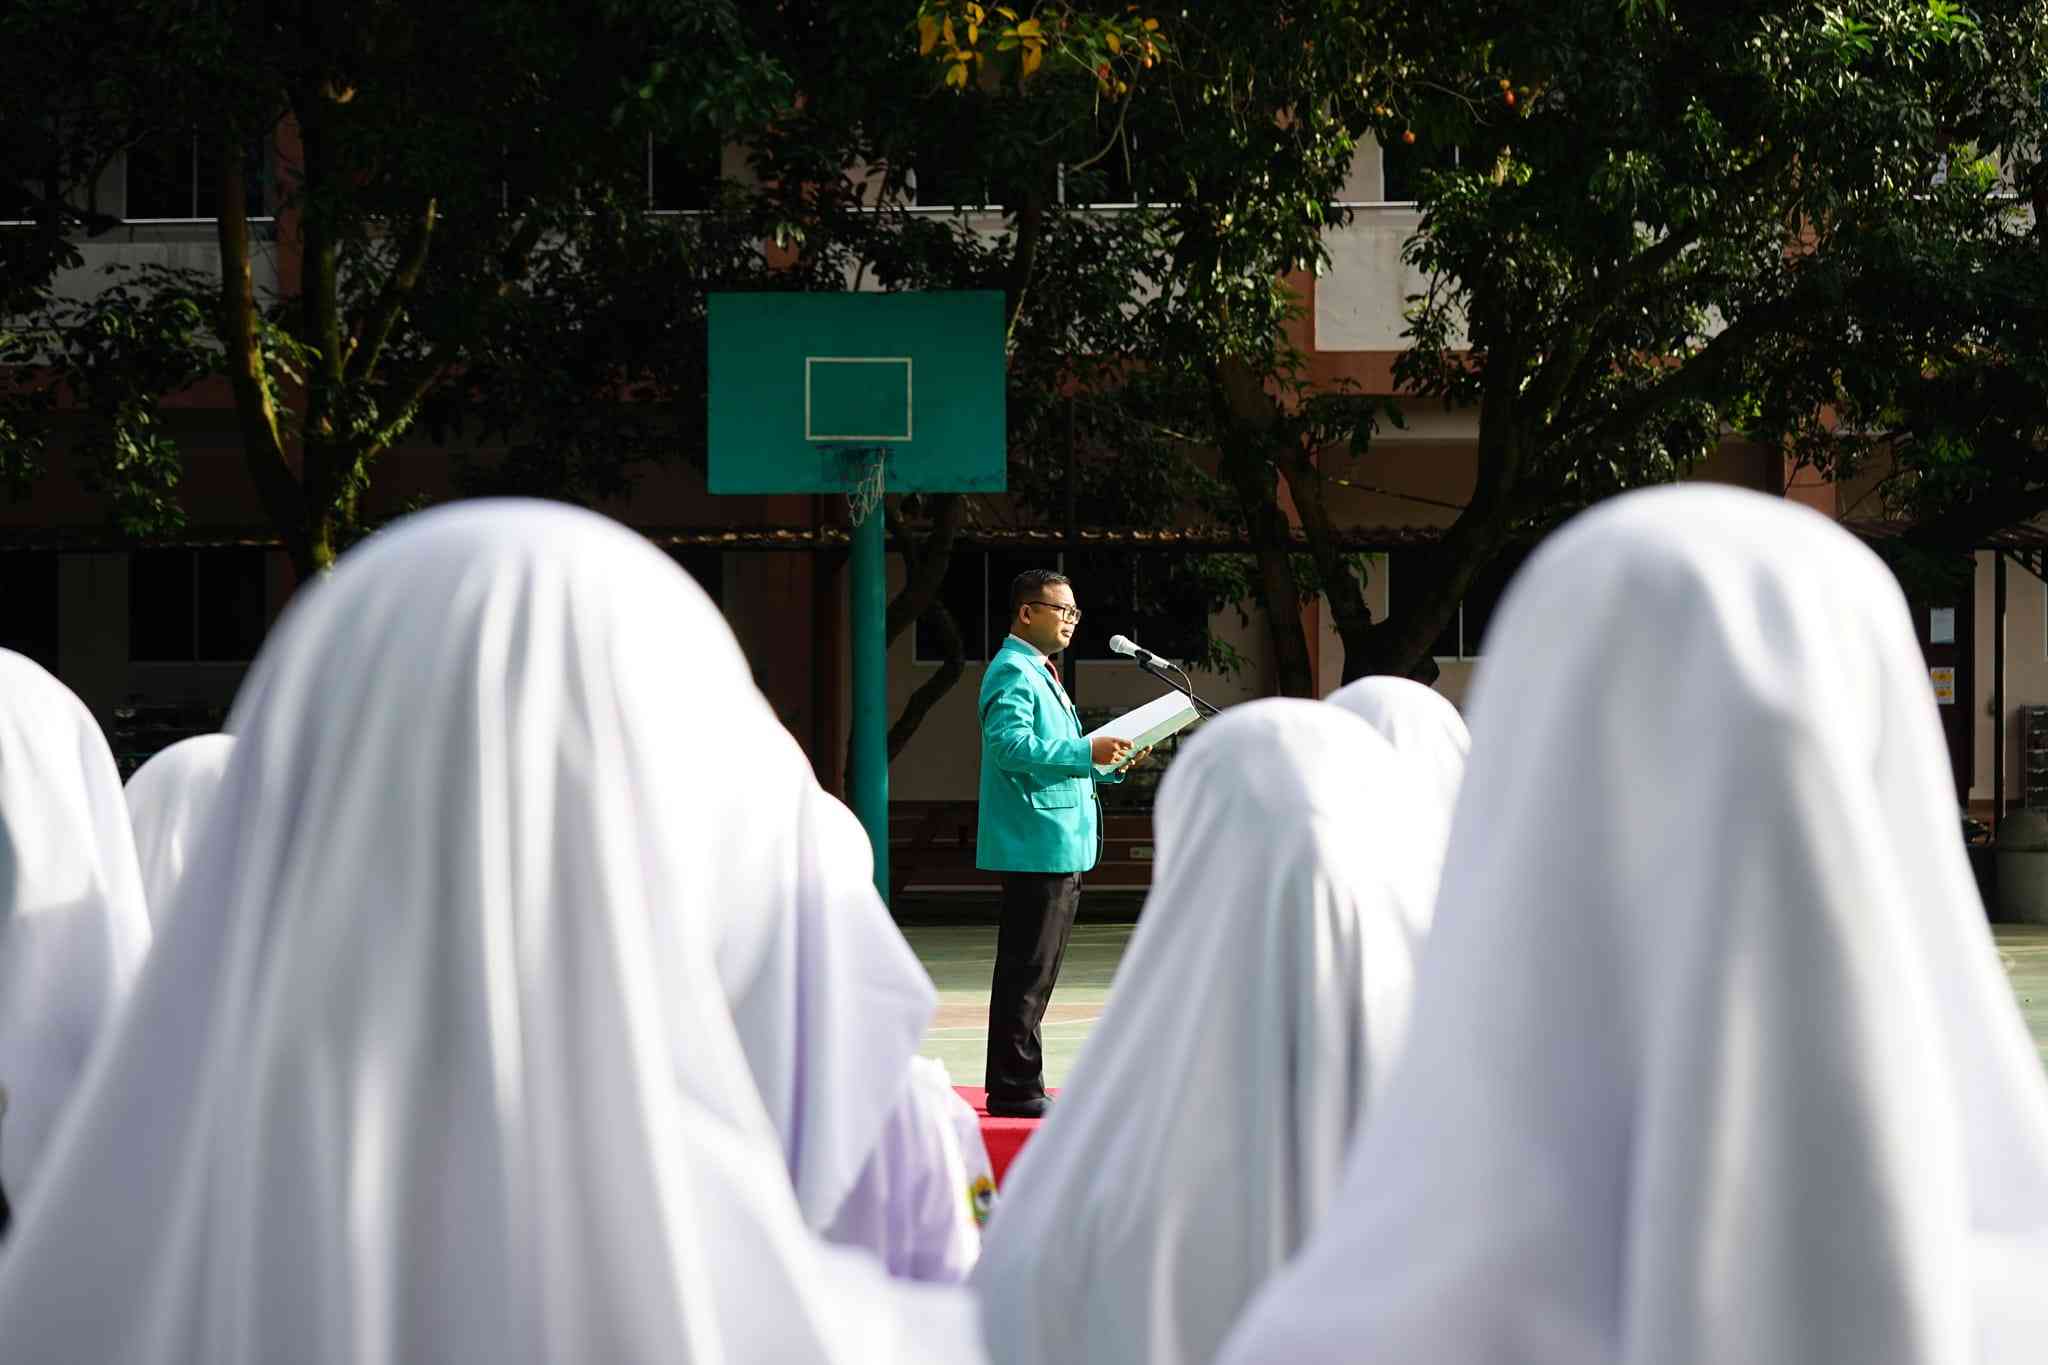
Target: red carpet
(1004, 1138)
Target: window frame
(710, 188)
(1060, 196)
(1468, 650)
(992, 606)
(974, 634)
(1457, 160)
(200, 659)
(259, 182)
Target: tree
(440, 149)
(1639, 227)
(1652, 212)
(1938, 392)
(595, 370)
(1237, 146)
(59, 133)
(1003, 107)
(596, 367)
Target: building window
(197, 606)
(1403, 165)
(175, 178)
(1126, 593)
(977, 591)
(707, 567)
(28, 605)
(1124, 176)
(20, 195)
(1464, 637)
(675, 177)
(948, 170)
(682, 177)
(1120, 592)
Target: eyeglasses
(1071, 615)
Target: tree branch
(416, 381)
(320, 285)
(1030, 231)
(1583, 318)
(1693, 380)
(925, 564)
(277, 486)
(1967, 527)
(1341, 588)
(928, 693)
(368, 344)
(1248, 421)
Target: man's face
(1044, 626)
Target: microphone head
(1121, 644)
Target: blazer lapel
(1034, 664)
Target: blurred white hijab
(1712, 1058)
(168, 797)
(433, 1060)
(1421, 724)
(830, 1004)
(1262, 998)
(73, 931)
(831, 1021)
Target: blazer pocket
(1053, 797)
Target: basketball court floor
(959, 954)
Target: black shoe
(1022, 1107)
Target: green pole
(868, 783)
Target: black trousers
(1037, 917)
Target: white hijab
(167, 798)
(918, 1202)
(1264, 994)
(1712, 1057)
(1421, 724)
(432, 1060)
(830, 1004)
(73, 931)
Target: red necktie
(1054, 669)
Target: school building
(156, 640)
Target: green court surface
(959, 955)
(2023, 948)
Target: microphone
(1145, 659)
(1131, 649)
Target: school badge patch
(981, 1199)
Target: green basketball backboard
(806, 387)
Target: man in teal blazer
(1040, 826)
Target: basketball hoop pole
(868, 782)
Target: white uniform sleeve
(927, 1187)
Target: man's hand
(1138, 758)
(1108, 750)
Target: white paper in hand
(1146, 725)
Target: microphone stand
(1186, 689)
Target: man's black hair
(1030, 586)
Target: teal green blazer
(1038, 807)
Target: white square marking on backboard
(908, 409)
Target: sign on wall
(1944, 680)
